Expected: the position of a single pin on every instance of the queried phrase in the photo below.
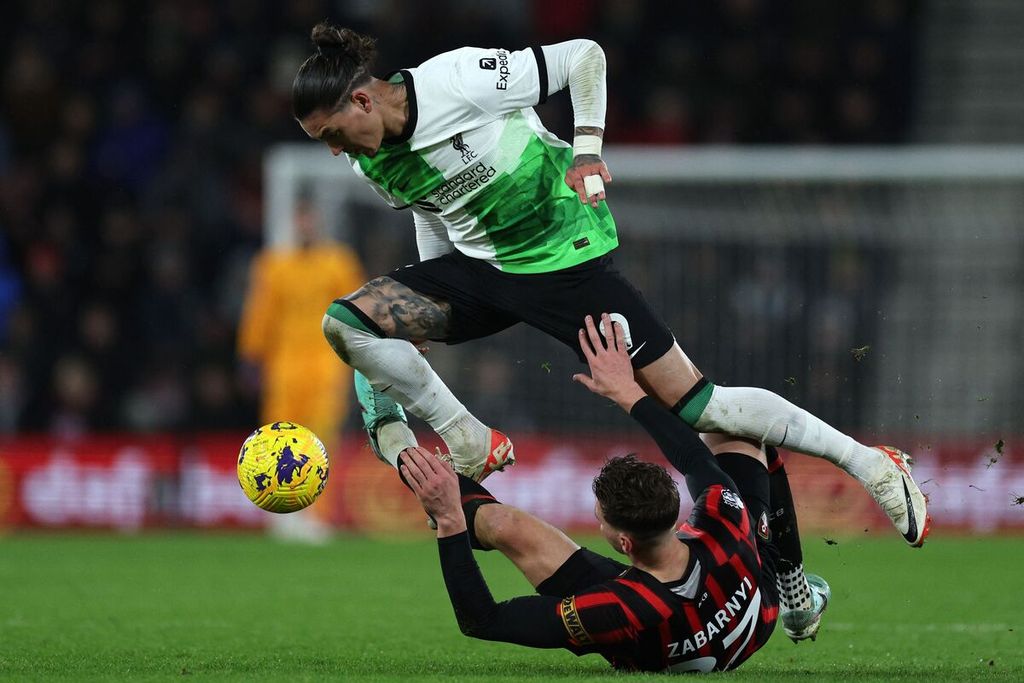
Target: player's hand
(611, 372)
(437, 488)
(583, 166)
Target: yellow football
(282, 467)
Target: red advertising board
(128, 483)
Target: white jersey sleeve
(431, 235)
(579, 64)
(498, 81)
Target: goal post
(881, 288)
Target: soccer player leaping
(700, 598)
(512, 227)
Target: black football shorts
(485, 300)
(584, 569)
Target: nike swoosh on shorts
(637, 349)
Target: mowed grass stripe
(242, 607)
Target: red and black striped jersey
(722, 610)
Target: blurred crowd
(132, 135)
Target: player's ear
(362, 100)
(625, 543)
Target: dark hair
(341, 63)
(638, 497)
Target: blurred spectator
(158, 401)
(213, 399)
(76, 398)
(5, 149)
(766, 301)
(99, 338)
(12, 397)
(129, 151)
(31, 92)
(494, 376)
(10, 290)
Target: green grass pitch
(241, 607)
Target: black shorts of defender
(485, 300)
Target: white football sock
(393, 438)
(473, 439)
(396, 368)
(759, 414)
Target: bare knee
(496, 526)
(670, 377)
(346, 330)
(333, 330)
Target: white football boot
(500, 456)
(896, 493)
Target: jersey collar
(410, 94)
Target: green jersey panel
(536, 223)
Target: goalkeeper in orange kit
(280, 336)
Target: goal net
(879, 288)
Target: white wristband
(586, 144)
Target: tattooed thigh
(401, 312)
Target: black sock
(474, 495)
(794, 592)
(782, 515)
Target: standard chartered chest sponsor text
(464, 183)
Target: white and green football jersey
(475, 156)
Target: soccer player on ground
(511, 227)
(803, 598)
(700, 598)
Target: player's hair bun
(334, 41)
(341, 62)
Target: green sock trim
(694, 408)
(344, 315)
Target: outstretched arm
(611, 376)
(530, 620)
